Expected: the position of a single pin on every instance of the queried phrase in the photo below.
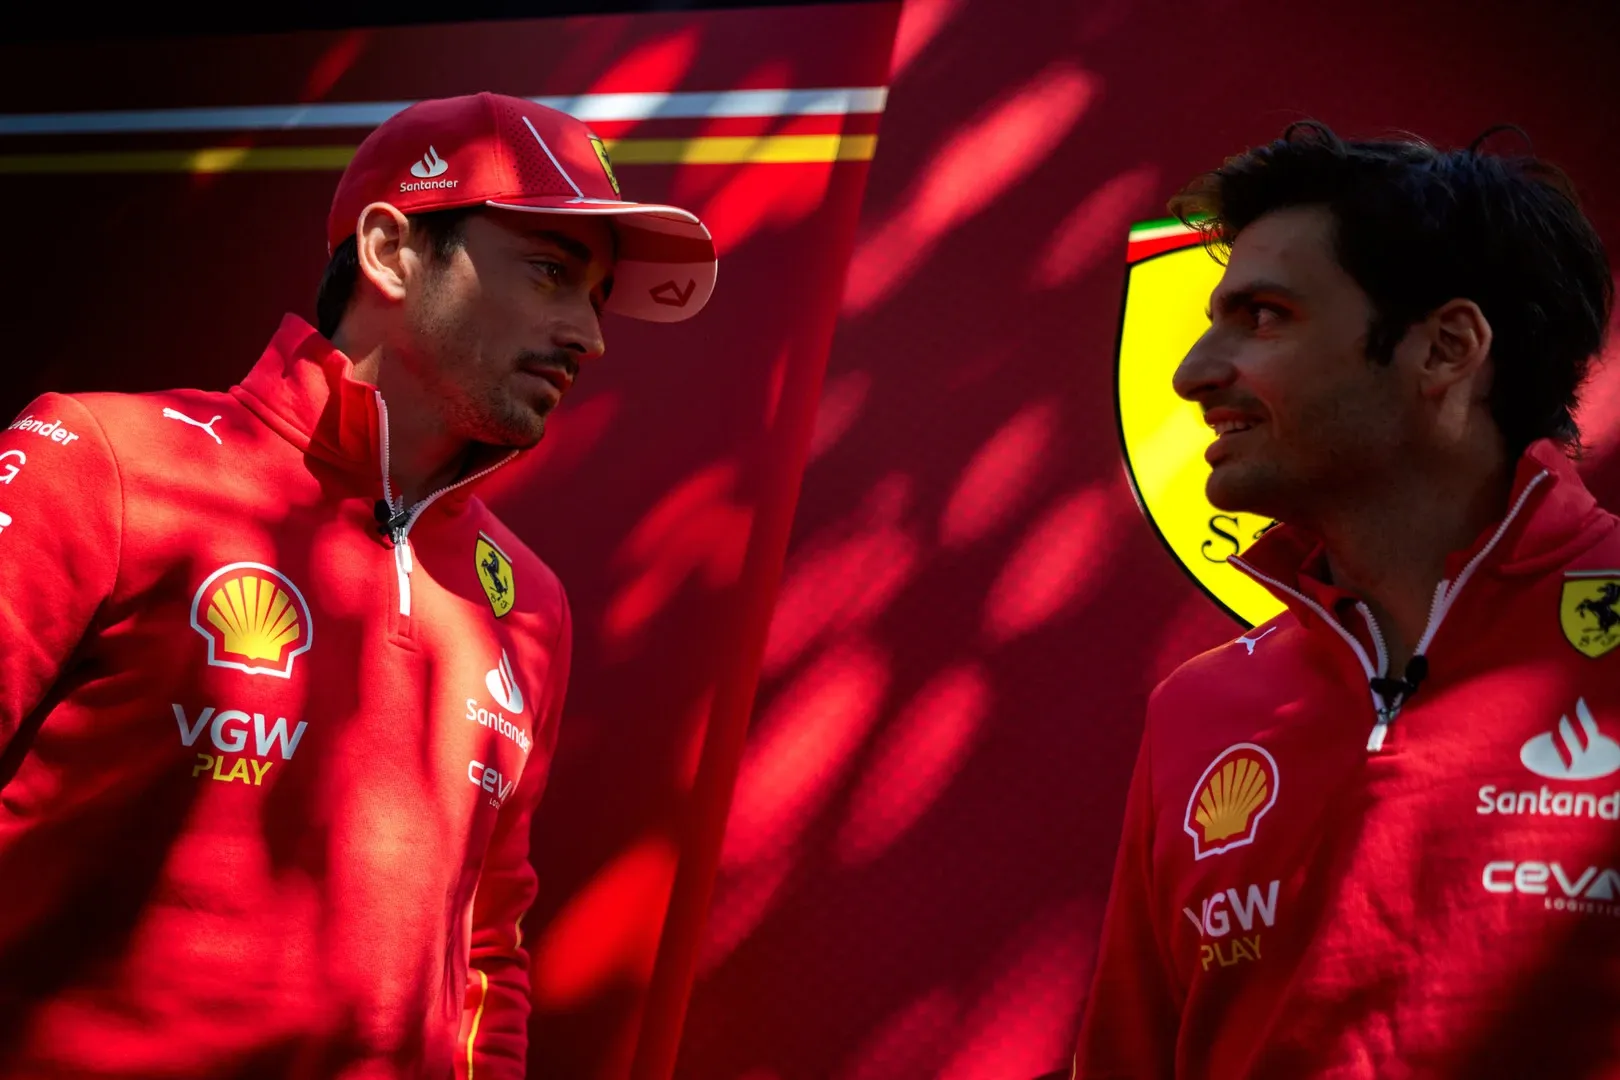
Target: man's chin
(516, 433)
(1227, 491)
(530, 437)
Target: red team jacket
(267, 773)
(1289, 904)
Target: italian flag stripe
(1154, 237)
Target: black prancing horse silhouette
(1602, 607)
(492, 570)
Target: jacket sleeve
(495, 1020)
(61, 518)
(1131, 1015)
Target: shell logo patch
(1167, 286)
(1229, 800)
(1589, 611)
(253, 618)
(494, 571)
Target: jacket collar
(305, 388)
(1556, 519)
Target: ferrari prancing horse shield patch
(1589, 610)
(495, 575)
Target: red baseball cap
(512, 154)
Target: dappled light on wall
(608, 932)
(846, 579)
(1063, 555)
(977, 165)
(697, 530)
(1000, 477)
(914, 760)
(801, 748)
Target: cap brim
(666, 263)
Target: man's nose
(1205, 369)
(580, 331)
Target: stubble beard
(505, 421)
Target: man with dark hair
(1382, 838)
(278, 693)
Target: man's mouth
(1226, 420)
(556, 376)
(1225, 423)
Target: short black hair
(444, 231)
(1417, 226)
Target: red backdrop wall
(664, 493)
(957, 618)
(973, 609)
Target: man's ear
(1457, 337)
(386, 258)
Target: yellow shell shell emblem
(1229, 800)
(494, 571)
(1167, 290)
(1589, 610)
(254, 619)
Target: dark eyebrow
(567, 243)
(1239, 298)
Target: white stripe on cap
(561, 171)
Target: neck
(1389, 546)
(423, 455)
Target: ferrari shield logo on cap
(1589, 610)
(607, 166)
(494, 574)
(1167, 286)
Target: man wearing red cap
(278, 693)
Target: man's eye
(1264, 315)
(553, 271)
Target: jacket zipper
(1445, 596)
(1349, 638)
(399, 535)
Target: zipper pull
(390, 522)
(1398, 690)
(402, 570)
(1375, 741)
(1394, 693)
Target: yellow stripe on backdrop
(707, 150)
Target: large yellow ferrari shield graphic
(1167, 291)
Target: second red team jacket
(265, 774)
(1288, 903)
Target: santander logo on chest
(502, 685)
(1568, 866)
(1575, 762)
